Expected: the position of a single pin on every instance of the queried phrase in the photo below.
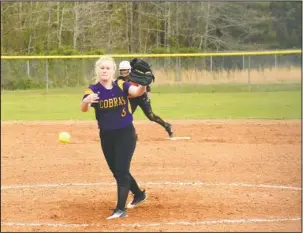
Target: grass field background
(274, 101)
(256, 76)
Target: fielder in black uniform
(142, 101)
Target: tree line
(48, 28)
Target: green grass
(64, 104)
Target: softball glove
(141, 72)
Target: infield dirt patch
(220, 174)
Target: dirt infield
(233, 175)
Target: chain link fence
(242, 69)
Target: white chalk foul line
(151, 183)
(223, 221)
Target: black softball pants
(118, 147)
(145, 105)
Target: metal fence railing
(205, 68)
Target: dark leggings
(118, 147)
(145, 105)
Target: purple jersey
(113, 111)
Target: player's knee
(151, 116)
(123, 178)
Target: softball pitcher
(109, 98)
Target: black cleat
(118, 214)
(138, 199)
(168, 129)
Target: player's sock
(122, 197)
(159, 121)
(134, 188)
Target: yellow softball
(64, 137)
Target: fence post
(249, 73)
(27, 68)
(83, 72)
(211, 63)
(46, 75)
(178, 70)
(275, 60)
(243, 62)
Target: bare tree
(131, 26)
(76, 31)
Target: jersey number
(123, 113)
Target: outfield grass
(64, 104)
